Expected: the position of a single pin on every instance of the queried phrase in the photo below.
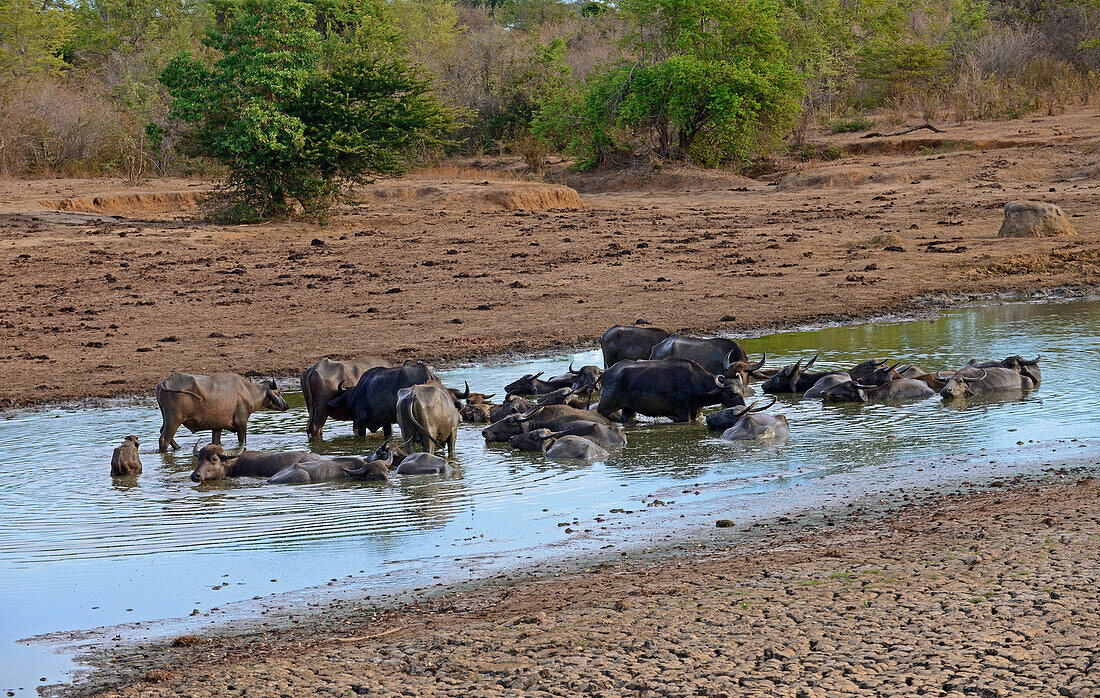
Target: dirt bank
(989, 594)
(107, 289)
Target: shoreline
(529, 601)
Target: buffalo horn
(793, 378)
(760, 364)
(357, 472)
(551, 435)
(465, 395)
(811, 363)
(571, 368)
(938, 377)
(423, 430)
(486, 397)
(1033, 361)
(196, 448)
(526, 416)
(729, 359)
(761, 409)
(537, 375)
(878, 362)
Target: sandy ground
(106, 289)
(990, 594)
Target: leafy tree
(712, 83)
(32, 37)
(302, 100)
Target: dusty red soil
(108, 288)
(990, 595)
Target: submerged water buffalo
(319, 469)
(562, 396)
(216, 402)
(622, 342)
(675, 387)
(1017, 363)
(794, 378)
(427, 417)
(423, 464)
(214, 463)
(321, 383)
(513, 404)
(372, 403)
(980, 380)
(900, 389)
(749, 425)
(476, 412)
(716, 354)
(603, 435)
(553, 417)
(531, 384)
(570, 447)
(125, 460)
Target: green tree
(33, 34)
(302, 100)
(712, 83)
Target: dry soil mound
(509, 196)
(124, 204)
(1034, 219)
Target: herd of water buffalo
(646, 371)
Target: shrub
(301, 102)
(853, 125)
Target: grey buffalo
(321, 383)
(214, 463)
(677, 388)
(318, 469)
(575, 448)
(622, 342)
(716, 355)
(1028, 369)
(553, 417)
(223, 401)
(534, 440)
(423, 464)
(562, 396)
(603, 435)
(125, 460)
(968, 382)
(900, 389)
(750, 425)
(513, 404)
(531, 384)
(427, 417)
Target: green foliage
(302, 100)
(32, 38)
(853, 125)
(713, 84)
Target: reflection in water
(78, 549)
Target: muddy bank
(988, 592)
(100, 304)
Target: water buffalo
(825, 383)
(749, 425)
(476, 412)
(675, 387)
(530, 384)
(125, 460)
(587, 378)
(372, 403)
(981, 380)
(746, 370)
(513, 404)
(794, 378)
(321, 383)
(621, 342)
(423, 464)
(575, 447)
(213, 463)
(553, 417)
(716, 354)
(217, 402)
(603, 435)
(427, 417)
(306, 472)
(724, 419)
(534, 440)
(1019, 364)
(562, 396)
(900, 389)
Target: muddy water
(80, 550)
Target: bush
(300, 103)
(853, 125)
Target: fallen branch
(876, 134)
(361, 638)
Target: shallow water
(80, 550)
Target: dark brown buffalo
(217, 402)
(562, 396)
(372, 403)
(531, 384)
(513, 404)
(476, 412)
(125, 460)
(321, 383)
(678, 388)
(745, 370)
(214, 463)
(622, 342)
(716, 354)
(427, 417)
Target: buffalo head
(273, 400)
(865, 367)
(731, 391)
(850, 391)
(213, 462)
(958, 384)
(786, 380)
(372, 470)
(523, 386)
(744, 369)
(534, 440)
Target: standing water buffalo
(676, 388)
(372, 403)
(217, 402)
(622, 342)
(321, 383)
(427, 417)
(968, 381)
(716, 354)
(125, 460)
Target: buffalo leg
(216, 437)
(360, 429)
(168, 437)
(387, 430)
(628, 416)
(451, 444)
(242, 437)
(317, 419)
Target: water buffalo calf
(125, 460)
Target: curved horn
(761, 409)
(975, 378)
(905, 368)
(537, 375)
(861, 386)
(760, 364)
(340, 388)
(355, 473)
(728, 361)
(196, 448)
(464, 396)
(571, 368)
(1033, 361)
(526, 416)
(551, 435)
(938, 377)
(878, 362)
(406, 362)
(893, 367)
(811, 362)
(719, 381)
(486, 397)
(792, 379)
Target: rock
(724, 523)
(1034, 219)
